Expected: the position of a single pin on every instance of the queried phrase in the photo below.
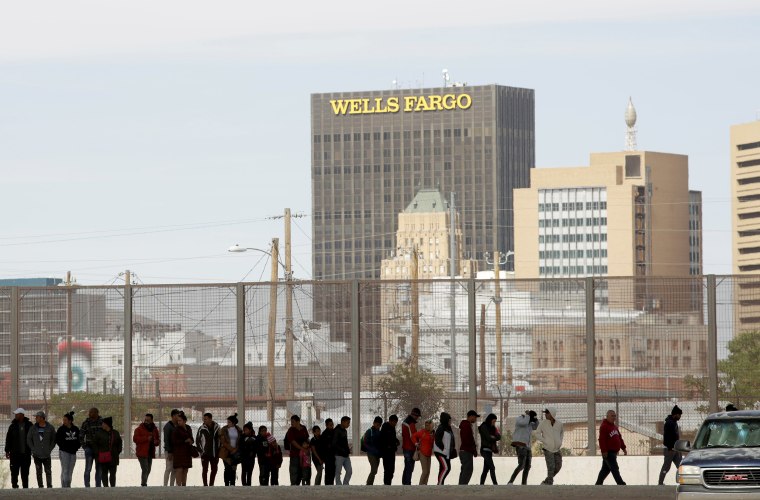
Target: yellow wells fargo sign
(407, 104)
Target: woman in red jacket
(182, 443)
(423, 440)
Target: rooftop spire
(630, 121)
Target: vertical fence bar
(240, 346)
(590, 367)
(712, 342)
(127, 362)
(15, 302)
(356, 386)
(471, 336)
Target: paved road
(348, 492)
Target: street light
(289, 363)
(498, 259)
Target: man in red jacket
(146, 438)
(610, 443)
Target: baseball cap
(19, 411)
(40, 414)
(416, 412)
(472, 413)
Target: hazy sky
(151, 136)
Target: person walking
(169, 426)
(208, 442)
(41, 440)
(342, 452)
(316, 458)
(327, 453)
(489, 444)
(107, 445)
(610, 444)
(248, 447)
(671, 433)
(468, 445)
(146, 438)
(16, 449)
(551, 433)
(230, 437)
(87, 431)
(524, 427)
(182, 449)
(270, 457)
(296, 441)
(388, 446)
(408, 428)
(67, 439)
(423, 440)
(371, 446)
(444, 447)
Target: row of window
(572, 205)
(387, 136)
(560, 270)
(387, 167)
(749, 145)
(572, 238)
(575, 222)
(572, 254)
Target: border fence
(363, 348)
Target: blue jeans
(90, 457)
(342, 463)
(68, 460)
(406, 476)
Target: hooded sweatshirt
(671, 432)
(67, 439)
(444, 438)
(41, 440)
(550, 435)
(610, 438)
(523, 429)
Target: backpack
(364, 440)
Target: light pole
(289, 389)
(499, 258)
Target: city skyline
(135, 141)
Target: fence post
(590, 367)
(127, 433)
(471, 336)
(240, 363)
(15, 303)
(356, 385)
(712, 342)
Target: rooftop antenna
(446, 77)
(630, 121)
(394, 84)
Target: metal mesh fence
(498, 347)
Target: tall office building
(373, 151)
(745, 220)
(628, 214)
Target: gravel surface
(347, 492)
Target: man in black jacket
(342, 452)
(17, 450)
(388, 446)
(671, 433)
(326, 452)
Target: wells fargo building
(372, 151)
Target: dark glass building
(372, 151)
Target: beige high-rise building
(424, 227)
(745, 220)
(628, 214)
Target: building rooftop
(427, 201)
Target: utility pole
(289, 363)
(271, 331)
(497, 302)
(415, 309)
(482, 351)
(69, 372)
(453, 256)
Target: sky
(151, 136)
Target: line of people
(327, 451)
